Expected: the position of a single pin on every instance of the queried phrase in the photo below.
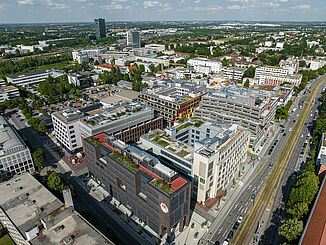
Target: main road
(265, 198)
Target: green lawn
(5, 240)
(163, 143)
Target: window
(202, 180)
(196, 177)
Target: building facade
(204, 65)
(138, 180)
(133, 39)
(271, 71)
(126, 121)
(15, 157)
(8, 93)
(100, 28)
(250, 108)
(173, 100)
(29, 79)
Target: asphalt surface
(243, 202)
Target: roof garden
(163, 186)
(183, 126)
(125, 160)
(198, 123)
(94, 141)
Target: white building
(86, 54)
(268, 43)
(233, 73)
(8, 93)
(204, 65)
(133, 39)
(294, 79)
(15, 157)
(312, 43)
(28, 79)
(271, 71)
(157, 47)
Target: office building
(46, 42)
(30, 78)
(173, 100)
(250, 108)
(133, 39)
(294, 79)
(271, 71)
(153, 192)
(173, 153)
(217, 152)
(33, 215)
(79, 79)
(86, 54)
(217, 158)
(233, 73)
(204, 65)
(100, 28)
(8, 93)
(321, 157)
(15, 157)
(126, 121)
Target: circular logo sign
(164, 207)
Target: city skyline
(33, 11)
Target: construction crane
(162, 67)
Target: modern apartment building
(100, 28)
(133, 39)
(205, 65)
(250, 108)
(154, 193)
(32, 215)
(126, 121)
(86, 54)
(15, 157)
(173, 100)
(8, 93)
(29, 79)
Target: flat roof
(26, 201)
(29, 74)
(9, 140)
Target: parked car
(240, 219)
(236, 225)
(270, 165)
(253, 196)
(290, 129)
(230, 235)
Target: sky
(40, 11)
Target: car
(236, 225)
(252, 198)
(229, 237)
(240, 219)
(225, 242)
(290, 129)
(59, 228)
(270, 165)
(301, 135)
(217, 243)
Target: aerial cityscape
(162, 122)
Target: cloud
(25, 2)
(3, 7)
(271, 4)
(284, 1)
(209, 8)
(150, 4)
(236, 7)
(303, 6)
(197, 1)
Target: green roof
(125, 160)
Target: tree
(1, 179)
(42, 127)
(34, 122)
(302, 63)
(39, 158)
(96, 63)
(291, 229)
(55, 182)
(250, 72)
(298, 210)
(246, 84)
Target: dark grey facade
(100, 28)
